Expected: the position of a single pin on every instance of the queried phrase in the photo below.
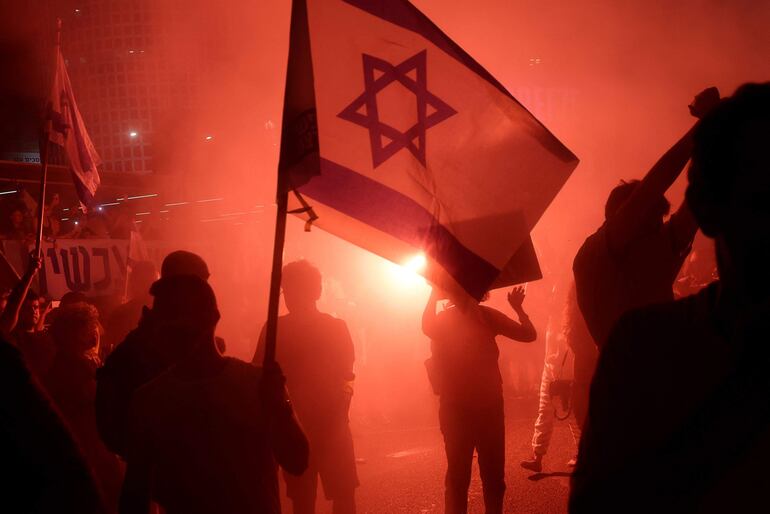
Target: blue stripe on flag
(391, 212)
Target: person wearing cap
(205, 436)
(138, 359)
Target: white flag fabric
(65, 128)
(402, 143)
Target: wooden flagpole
(45, 144)
(271, 330)
(293, 151)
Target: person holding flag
(398, 141)
(316, 354)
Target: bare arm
(683, 227)
(523, 331)
(429, 324)
(626, 223)
(10, 316)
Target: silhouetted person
(582, 345)
(633, 259)
(71, 383)
(125, 317)
(206, 435)
(42, 468)
(679, 419)
(315, 351)
(137, 360)
(463, 371)
(20, 320)
(569, 356)
(182, 262)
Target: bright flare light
(416, 264)
(408, 274)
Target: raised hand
(33, 266)
(516, 297)
(704, 102)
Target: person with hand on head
(679, 417)
(464, 373)
(633, 259)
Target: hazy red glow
(611, 79)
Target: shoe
(534, 464)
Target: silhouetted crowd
(668, 399)
(18, 219)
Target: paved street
(402, 469)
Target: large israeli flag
(402, 143)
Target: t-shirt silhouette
(465, 354)
(207, 441)
(316, 354)
(610, 283)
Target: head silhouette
(729, 187)
(185, 313)
(182, 262)
(301, 283)
(622, 193)
(76, 329)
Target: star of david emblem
(387, 140)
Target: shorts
(333, 459)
